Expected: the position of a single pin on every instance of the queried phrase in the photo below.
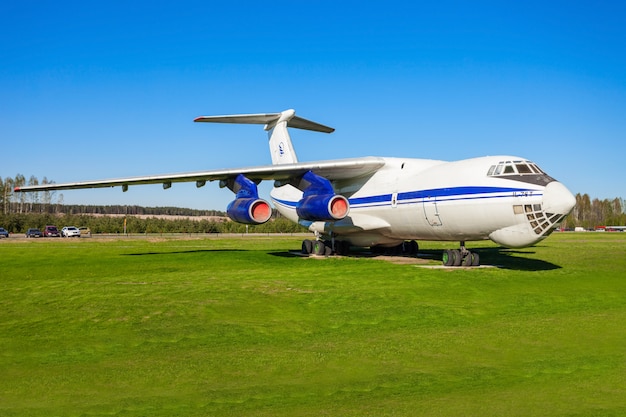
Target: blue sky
(106, 90)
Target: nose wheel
(460, 257)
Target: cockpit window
(513, 168)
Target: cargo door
(431, 212)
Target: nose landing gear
(460, 257)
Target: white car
(70, 231)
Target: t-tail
(276, 125)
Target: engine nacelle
(328, 207)
(249, 210)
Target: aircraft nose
(558, 199)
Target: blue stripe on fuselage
(457, 191)
(453, 193)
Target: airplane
(380, 202)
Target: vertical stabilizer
(281, 148)
(276, 124)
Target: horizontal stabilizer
(268, 119)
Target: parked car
(70, 231)
(34, 233)
(51, 231)
(85, 231)
(3, 232)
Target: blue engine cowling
(249, 210)
(327, 207)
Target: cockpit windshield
(514, 168)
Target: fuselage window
(538, 169)
(513, 168)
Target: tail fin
(276, 125)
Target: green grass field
(241, 327)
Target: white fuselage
(435, 200)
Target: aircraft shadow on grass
(503, 258)
(185, 251)
(499, 257)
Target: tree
(20, 181)
(32, 198)
(7, 194)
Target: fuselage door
(431, 211)
(394, 200)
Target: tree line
(51, 203)
(591, 213)
(20, 222)
(20, 211)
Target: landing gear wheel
(342, 247)
(307, 247)
(448, 257)
(457, 257)
(319, 248)
(412, 248)
(475, 259)
(468, 259)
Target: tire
(467, 260)
(307, 247)
(448, 257)
(342, 247)
(319, 248)
(345, 247)
(457, 257)
(475, 259)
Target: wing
(339, 169)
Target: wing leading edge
(340, 169)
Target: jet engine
(329, 207)
(319, 201)
(249, 210)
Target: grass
(235, 327)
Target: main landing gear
(460, 257)
(451, 257)
(342, 247)
(325, 247)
